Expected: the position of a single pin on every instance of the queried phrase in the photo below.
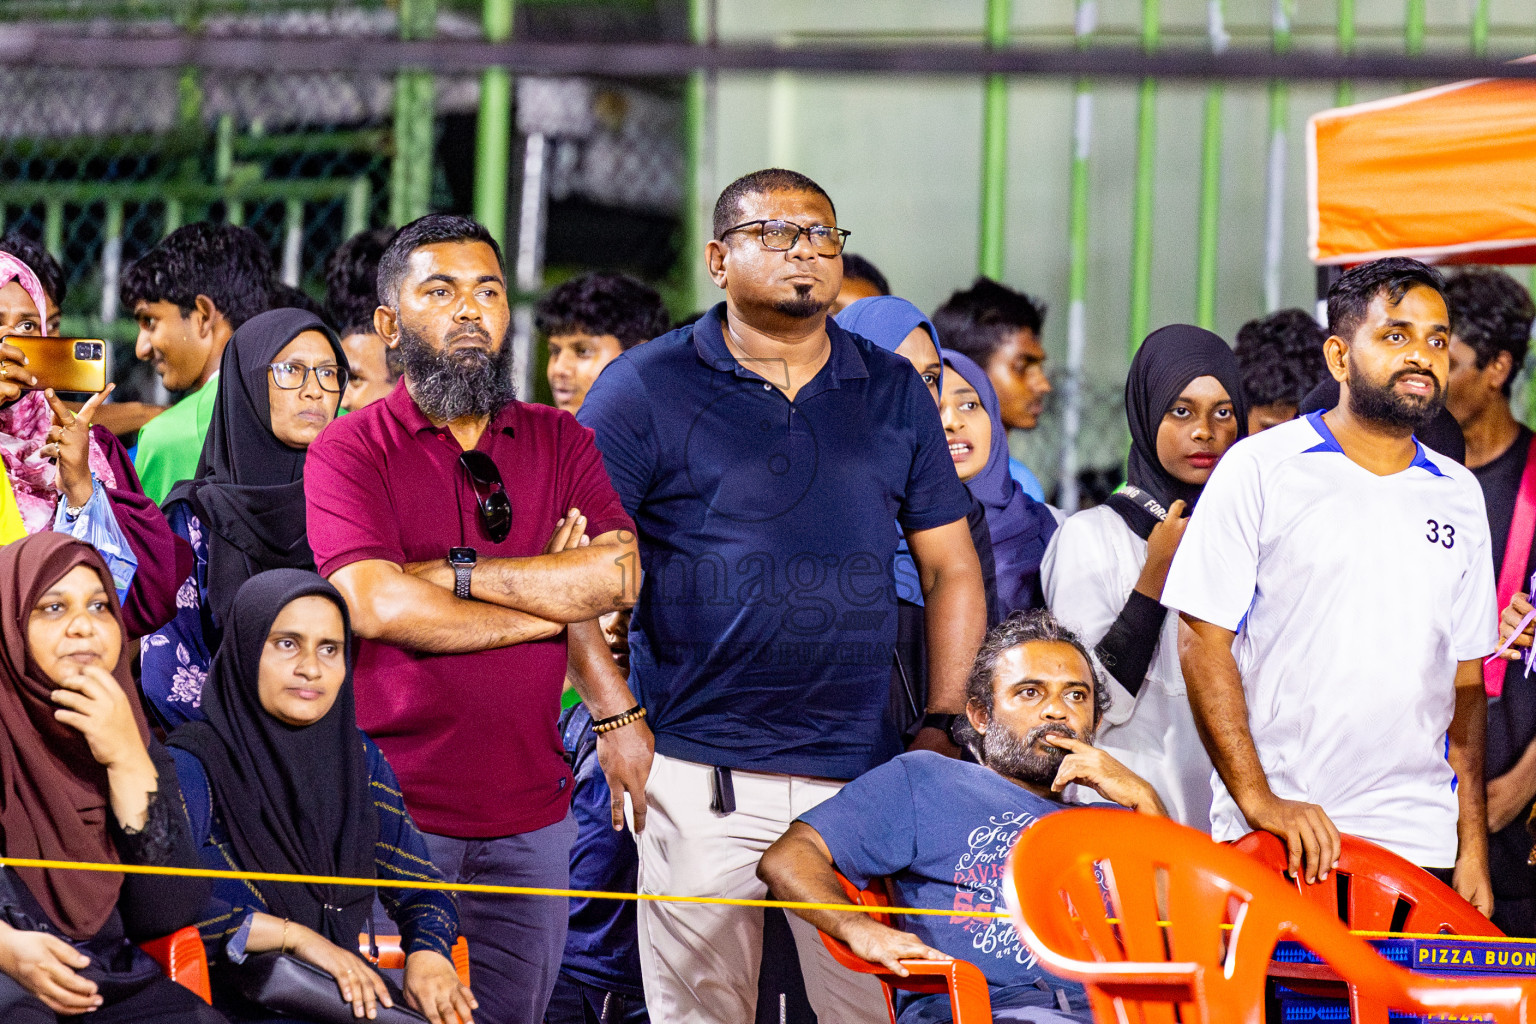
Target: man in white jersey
(1351, 567)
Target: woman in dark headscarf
(1020, 526)
(1105, 570)
(280, 383)
(278, 778)
(898, 326)
(81, 780)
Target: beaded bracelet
(603, 725)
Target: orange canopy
(1447, 175)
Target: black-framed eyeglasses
(490, 494)
(291, 376)
(781, 236)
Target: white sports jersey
(1353, 596)
(1089, 571)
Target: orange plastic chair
(969, 1000)
(183, 959)
(392, 956)
(1386, 893)
(1162, 924)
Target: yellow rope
(505, 890)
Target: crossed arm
(513, 600)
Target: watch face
(461, 556)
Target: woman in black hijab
(280, 382)
(1105, 569)
(279, 779)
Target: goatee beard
(450, 385)
(802, 307)
(1009, 754)
(1388, 407)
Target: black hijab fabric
(248, 491)
(294, 799)
(1162, 368)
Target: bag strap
(1139, 509)
(1517, 552)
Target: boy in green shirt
(189, 294)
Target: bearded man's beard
(1015, 756)
(450, 384)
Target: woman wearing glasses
(280, 382)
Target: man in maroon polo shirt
(456, 522)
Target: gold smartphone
(64, 364)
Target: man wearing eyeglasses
(765, 453)
(469, 533)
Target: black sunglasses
(490, 494)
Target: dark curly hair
(771, 179)
(1281, 357)
(860, 269)
(1351, 294)
(352, 281)
(1491, 312)
(976, 321)
(228, 264)
(41, 262)
(1036, 625)
(604, 303)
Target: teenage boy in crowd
(451, 517)
(351, 296)
(1351, 566)
(1281, 357)
(1000, 329)
(587, 322)
(189, 294)
(940, 830)
(1491, 317)
(764, 453)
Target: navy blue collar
(1331, 444)
(843, 363)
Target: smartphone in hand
(64, 364)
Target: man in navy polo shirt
(766, 455)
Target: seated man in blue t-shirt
(941, 829)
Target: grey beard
(449, 386)
(1383, 405)
(1009, 754)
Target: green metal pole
(493, 131)
(994, 149)
(1414, 27)
(698, 186)
(1146, 178)
(53, 227)
(415, 120)
(1077, 275)
(1480, 28)
(1210, 187)
(1345, 93)
(1279, 125)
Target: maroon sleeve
(587, 486)
(164, 558)
(346, 519)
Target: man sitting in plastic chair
(940, 829)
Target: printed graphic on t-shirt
(978, 886)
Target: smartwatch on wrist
(463, 562)
(943, 723)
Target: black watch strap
(461, 574)
(943, 723)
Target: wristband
(603, 725)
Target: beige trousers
(700, 963)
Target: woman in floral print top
(175, 658)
